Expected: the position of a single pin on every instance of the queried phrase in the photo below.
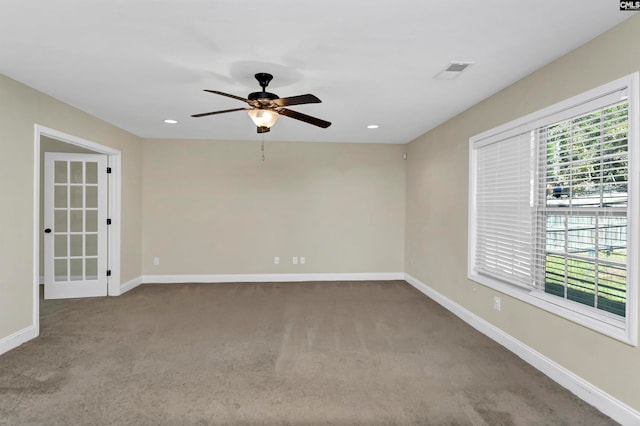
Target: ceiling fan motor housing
(263, 79)
(257, 96)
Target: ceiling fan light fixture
(264, 117)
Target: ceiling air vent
(452, 71)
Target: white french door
(75, 222)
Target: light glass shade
(264, 117)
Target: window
(553, 211)
(583, 208)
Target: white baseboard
(129, 285)
(255, 278)
(14, 340)
(259, 278)
(591, 394)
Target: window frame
(623, 329)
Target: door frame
(114, 185)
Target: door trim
(114, 200)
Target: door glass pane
(91, 169)
(92, 196)
(91, 224)
(75, 170)
(76, 196)
(60, 172)
(76, 245)
(60, 196)
(60, 270)
(60, 221)
(91, 268)
(60, 246)
(76, 270)
(76, 220)
(91, 245)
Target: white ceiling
(136, 63)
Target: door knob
(47, 231)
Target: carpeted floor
(342, 353)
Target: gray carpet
(341, 353)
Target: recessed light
(171, 121)
(372, 126)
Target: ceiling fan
(265, 108)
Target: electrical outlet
(295, 260)
(156, 261)
(496, 303)
(276, 260)
(302, 260)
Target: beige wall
(436, 233)
(216, 208)
(20, 108)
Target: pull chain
(262, 148)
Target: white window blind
(504, 245)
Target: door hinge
(108, 170)
(108, 272)
(108, 221)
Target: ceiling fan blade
(304, 117)
(220, 112)
(297, 100)
(227, 95)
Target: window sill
(602, 323)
